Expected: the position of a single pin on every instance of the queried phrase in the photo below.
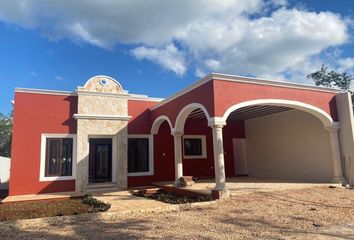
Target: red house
(221, 126)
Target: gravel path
(312, 213)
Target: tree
(327, 78)
(5, 135)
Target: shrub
(95, 203)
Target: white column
(336, 156)
(219, 165)
(178, 156)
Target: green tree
(324, 77)
(5, 135)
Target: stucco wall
(290, 145)
(4, 172)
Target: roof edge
(243, 79)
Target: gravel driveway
(312, 213)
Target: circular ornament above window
(104, 82)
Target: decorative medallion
(103, 82)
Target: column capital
(176, 133)
(216, 122)
(334, 128)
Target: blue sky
(160, 48)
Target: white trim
(151, 155)
(102, 94)
(325, 118)
(141, 97)
(184, 113)
(102, 76)
(101, 117)
(157, 123)
(44, 136)
(242, 79)
(204, 148)
(43, 91)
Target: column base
(178, 183)
(337, 180)
(220, 194)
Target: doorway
(100, 160)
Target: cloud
(246, 37)
(169, 58)
(59, 78)
(33, 74)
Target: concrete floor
(247, 185)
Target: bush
(95, 203)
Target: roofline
(243, 79)
(139, 97)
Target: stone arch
(184, 113)
(157, 123)
(324, 117)
(103, 84)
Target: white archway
(157, 123)
(324, 117)
(184, 113)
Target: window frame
(43, 160)
(204, 149)
(151, 155)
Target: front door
(100, 160)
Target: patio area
(247, 185)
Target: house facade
(221, 126)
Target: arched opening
(196, 141)
(282, 140)
(163, 150)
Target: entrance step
(98, 187)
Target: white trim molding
(101, 117)
(102, 94)
(44, 91)
(157, 123)
(44, 136)
(151, 155)
(324, 117)
(184, 113)
(204, 148)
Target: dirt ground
(312, 213)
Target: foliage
(95, 203)
(5, 135)
(324, 77)
(172, 198)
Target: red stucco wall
(35, 114)
(230, 93)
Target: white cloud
(33, 74)
(246, 37)
(346, 64)
(169, 58)
(59, 78)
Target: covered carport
(291, 130)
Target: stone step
(97, 187)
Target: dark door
(100, 160)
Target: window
(59, 154)
(194, 146)
(140, 155)
(58, 157)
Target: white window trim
(204, 150)
(42, 177)
(151, 155)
